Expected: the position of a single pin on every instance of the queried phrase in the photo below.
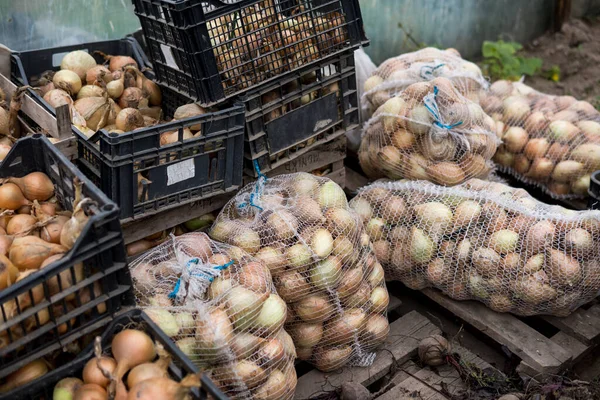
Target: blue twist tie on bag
(258, 189)
(428, 70)
(193, 269)
(431, 105)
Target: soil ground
(576, 51)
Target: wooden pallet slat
(532, 347)
(401, 344)
(582, 324)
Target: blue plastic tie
(427, 71)
(173, 294)
(260, 183)
(433, 109)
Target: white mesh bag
(429, 132)
(220, 307)
(550, 141)
(397, 73)
(484, 241)
(322, 264)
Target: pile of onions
(10, 126)
(550, 141)
(395, 74)
(114, 98)
(35, 232)
(320, 258)
(405, 138)
(484, 241)
(132, 353)
(249, 54)
(224, 314)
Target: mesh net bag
(484, 241)
(429, 132)
(397, 73)
(322, 264)
(220, 306)
(550, 141)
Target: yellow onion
(90, 91)
(24, 375)
(79, 62)
(344, 328)
(68, 81)
(8, 272)
(95, 111)
(66, 388)
(433, 350)
(244, 305)
(57, 98)
(35, 186)
(275, 387)
(29, 252)
(314, 308)
(94, 73)
(129, 119)
(189, 111)
(330, 359)
(271, 316)
(131, 98)
(376, 330)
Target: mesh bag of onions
(321, 261)
(397, 73)
(484, 241)
(220, 306)
(550, 141)
(429, 132)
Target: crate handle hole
(108, 207)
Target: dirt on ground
(576, 51)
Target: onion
(65, 388)
(565, 171)
(362, 207)
(321, 243)
(466, 213)
(95, 111)
(164, 319)
(271, 316)
(119, 62)
(245, 344)
(244, 305)
(24, 375)
(446, 173)
(421, 246)
(433, 350)
(516, 109)
(92, 372)
(326, 274)
(151, 91)
(330, 359)
(540, 236)
(271, 353)
(57, 98)
(4, 150)
(131, 98)
(434, 215)
(541, 168)
(90, 391)
(345, 250)
(8, 272)
(536, 148)
(562, 131)
(149, 370)
(115, 88)
(487, 261)
(129, 119)
(138, 247)
(67, 277)
(375, 228)
(185, 322)
(11, 197)
(173, 136)
(579, 241)
(306, 335)
(331, 195)
(21, 224)
(314, 308)
(35, 186)
(130, 348)
(78, 61)
(75, 225)
(275, 387)
(272, 258)
(300, 256)
(292, 286)
(189, 111)
(95, 72)
(86, 296)
(504, 241)
(68, 81)
(376, 330)
(563, 269)
(590, 129)
(515, 139)
(340, 221)
(588, 154)
(90, 91)
(283, 225)
(29, 252)
(375, 278)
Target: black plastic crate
(26, 65)
(180, 365)
(211, 50)
(144, 178)
(73, 311)
(594, 192)
(310, 107)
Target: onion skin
(65, 388)
(433, 350)
(92, 372)
(68, 81)
(130, 348)
(129, 119)
(35, 186)
(8, 272)
(30, 252)
(90, 391)
(24, 375)
(130, 98)
(11, 197)
(79, 62)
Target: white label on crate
(169, 59)
(180, 171)
(321, 124)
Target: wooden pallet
(394, 375)
(577, 335)
(57, 128)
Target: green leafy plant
(553, 73)
(501, 61)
